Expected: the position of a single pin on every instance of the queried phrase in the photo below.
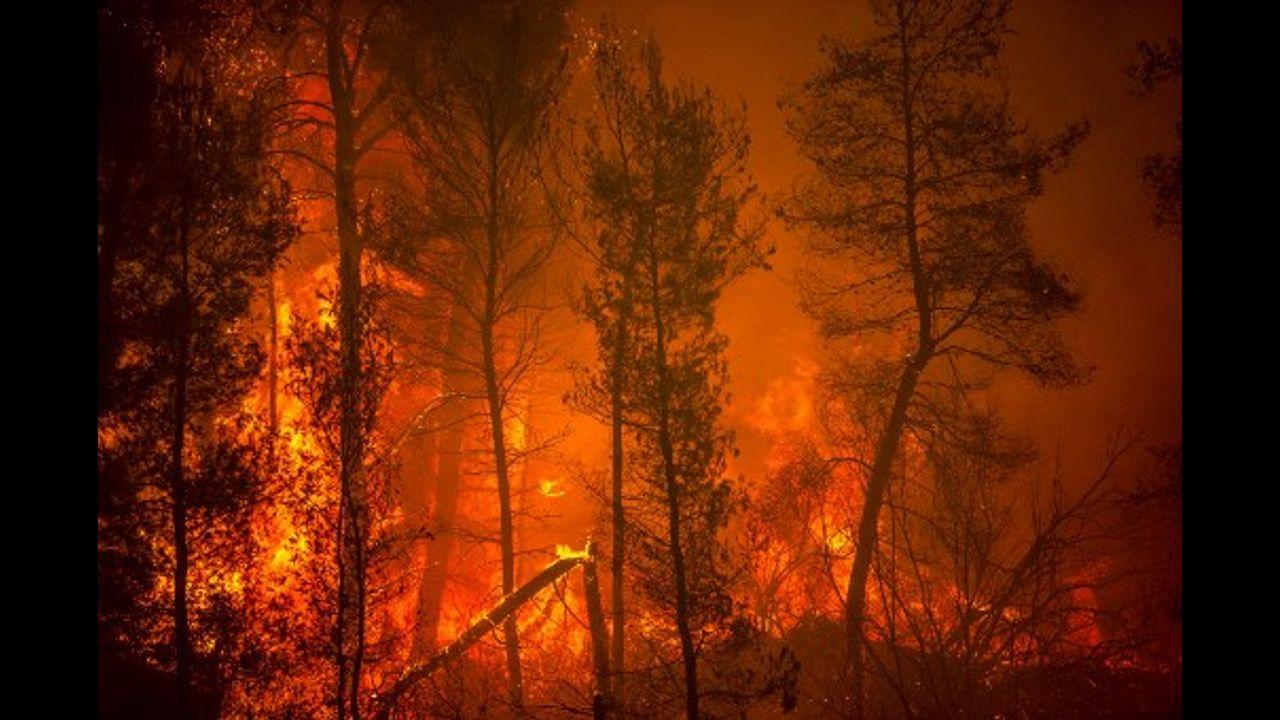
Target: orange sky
(1066, 59)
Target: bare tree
(331, 124)
(918, 208)
(478, 98)
(975, 587)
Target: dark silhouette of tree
(666, 182)
(477, 96)
(1161, 173)
(605, 166)
(333, 122)
(317, 380)
(130, 45)
(919, 204)
(206, 220)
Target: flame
(284, 317)
(564, 551)
(786, 407)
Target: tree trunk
(666, 445)
(877, 485)
(619, 519)
(682, 591)
(448, 481)
(351, 520)
(528, 470)
(510, 630)
(273, 349)
(602, 703)
(887, 446)
(497, 403)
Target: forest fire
(492, 360)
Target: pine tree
(666, 181)
(920, 239)
(207, 220)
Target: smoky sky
(1064, 61)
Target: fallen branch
(386, 701)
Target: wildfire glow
(437, 559)
(550, 488)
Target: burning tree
(666, 186)
(475, 107)
(919, 216)
(344, 526)
(191, 227)
(331, 124)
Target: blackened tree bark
(666, 447)
(618, 560)
(351, 513)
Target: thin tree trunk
(509, 628)
(666, 445)
(887, 446)
(619, 519)
(350, 620)
(877, 486)
(497, 403)
(602, 703)
(528, 471)
(618, 561)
